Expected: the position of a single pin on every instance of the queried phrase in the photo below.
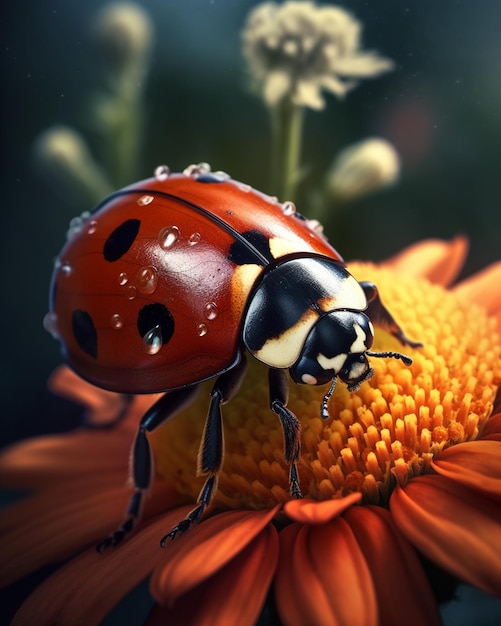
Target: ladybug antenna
(324, 413)
(391, 355)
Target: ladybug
(172, 280)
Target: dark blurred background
(441, 108)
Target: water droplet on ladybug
(162, 172)
(50, 324)
(202, 330)
(146, 280)
(194, 238)
(76, 224)
(130, 292)
(66, 269)
(92, 227)
(288, 208)
(196, 169)
(168, 236)
(123, 279)
(145, 200)
(211, 311)
(153, 340)
(116, 321)
(221, 176)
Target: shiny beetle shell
(150, 291)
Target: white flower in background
(64, 159)
(362, 168)
(297, 49)
(124, 36)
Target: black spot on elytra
(153, 315)
(120, 240)
(243, 254)
(85, 332)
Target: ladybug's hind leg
(142, 462)
(279, 392)
(210, 456)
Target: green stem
(287, 126)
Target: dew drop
(202, 330)
(76, 224)
(153, 340)
(123, 279)
(288, 208)
(244, 187)
(146, 280)
(144, 200)
(210, 311)
(130, 292)
(66, 269)
(162, 172)
(194, 238)
(116, 321)
(92, 227)
(221, 176)
(196, 169)
(50, 324)
(168, 236)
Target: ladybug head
(336, 346)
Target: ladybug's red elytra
(172, 280)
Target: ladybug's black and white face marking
(336, 346)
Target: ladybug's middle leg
(142, 462)
(210, 456)
(279, 393)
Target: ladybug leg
(142, 462)
(380, 316)
(279, 395)
(210, 456)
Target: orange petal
(206, 549)
(437, 260)
(314, 512)
(492, 428)
(83, 591)
(53, 526)
(41, 462)
(475, 464)
(233, 595)
(483, 288)
(322, 578)
(100, 404)
(402, 588)
(453, 526)
(299, 594)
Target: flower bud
(63, 158)
(124, 33)
(363, 168)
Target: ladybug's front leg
(279, 392)
(210, 456)
(142, 463)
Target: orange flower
(408, 466)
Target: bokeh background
(441, 108)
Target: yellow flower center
(382, 434)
